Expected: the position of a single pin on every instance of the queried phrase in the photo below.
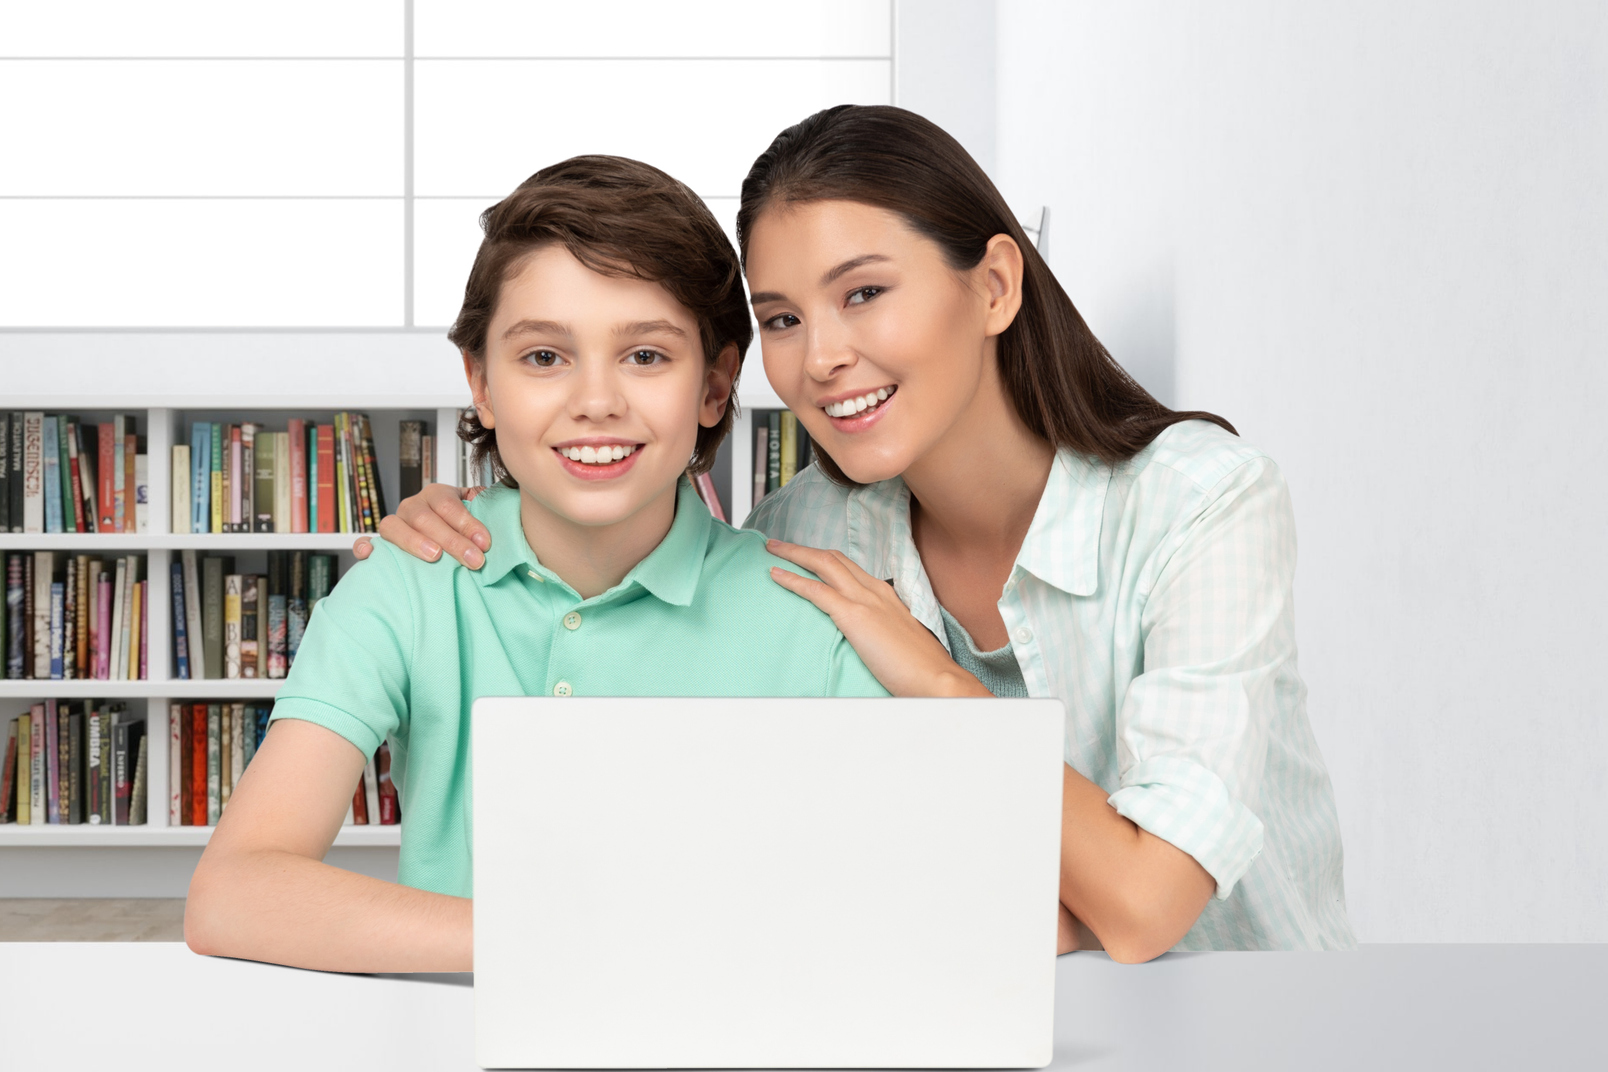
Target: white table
(130, 1006)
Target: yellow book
(216, 498)
(789, 446)
(343, 509)
(231, 625)
(24, 772)
(134, 632)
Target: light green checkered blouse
(1153, 598)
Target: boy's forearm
(287, 909)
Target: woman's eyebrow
(537, 327)
(763, 296)
(649, 327)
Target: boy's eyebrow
(763, 296)
(649, 327)
(537, 327)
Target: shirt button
(562, 689)
(1024, 635)
(572, 620)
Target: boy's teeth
(598, 455)
(850, 406)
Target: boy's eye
(646, 357)
(863, 294)
(542, 358)
(782, 322)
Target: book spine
(312, 478)
(119, 475)
(239, 497)
(262, 517)
(120, 782)
(342, 496)
(84, 615)
(213, 570)
(52, 794)
(237, 744)
(69, 621)
(33, 472)
(57, 628)
(249, 732)
(75, 768)
(252, 455)
(175, 745)
(231, 626)
(329, 509)
(225, 740)
(358, 815)
(277, 606)
(410, 457)
(214, 763)
(76, 494)
(142, 490)
(215, 478)
(250, 636)
(181, 632)
(135, 606)
(92, 772)
(390, 807)
(297, 460)
(179, 488)
(103, 615)
(427, 447)
(50, 448)
(200, 476)
(5, 472)
(371, 466)
(706, 491)
(143, 601)
(198, 765)
(123, 625)
(137, 809)
(65, 430)
(108, 806)
(15, 633)
(282, 482)
(131, 481)
(17, 484)
(371, 792)
(8, 772)
(44, 573)
(25, 751)
(295, 607)
(192, 613)
(105, 468)
(64, 766)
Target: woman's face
(868, 335)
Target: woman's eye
(782, 322)
(542, 358)
(646, 357)
(863, 294)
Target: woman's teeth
(597, 455)
(850, 406)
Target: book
(371, 792)
(282, 481)
(251, 498)
(262, 486)
(133, 446)
(328, 505)
(250, 637)
(33, 475)
(215, 472)
(225, 733)
(93, 755)
(105, 458)
(789, 458)
(214, 763)
(37, 766)
(705, 486)
(181, 630)
(278, 599)
(390, 805)
(127, 634)
(64, 754)
(213, 569)
(85, 615)
(410, 457)
(7, 423)
(16, 634)
(197, 784)
(296, 448)
(179, 488)
(50, 457)
(773, 459)
(24, 777)
(69, 620)
(72, 488)
(200, 477)
(320, 579)
(142, 489)
(237, 498)
(48, 714)
(119, 473)
(178, 764)
(88, 447)
(237, 744)
(44, 571)
(427, 447)
(8, 772)
(103, 619)
(371, 470)
(192, 613)
(249, 732)
(57, 628)
(75, 768)
(231, 625)
(126, 735)
(358, 813)
(137, 793)
(295, 607)
(142, 600)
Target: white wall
(1373, 236)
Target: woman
(996, 507)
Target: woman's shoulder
(812, 509)
(1201, 452)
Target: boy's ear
(475, 372)
(719, 379)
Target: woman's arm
(433, 521)
(263, 892)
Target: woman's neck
(978, 488)
(594, 558)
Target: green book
(263, 491)
(136, 803)
(214, 763)
(213, 570)
(773, 465)
(320, 579)
(69, 502)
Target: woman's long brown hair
(1065, 385)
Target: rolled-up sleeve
(1219, 643)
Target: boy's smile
(596, 386)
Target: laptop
(765, 883)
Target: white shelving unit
(165, 421)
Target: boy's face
(605, 367)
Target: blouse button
(1024, 635)
(562, 689)
(572, 620)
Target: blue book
(58, 593)
(200, 476)
(50, 455)
(181, 634)
(312, 477)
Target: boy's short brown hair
(618, 217)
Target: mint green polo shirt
(401, 648)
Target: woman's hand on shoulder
(900, 651)
(433, 521)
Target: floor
(125, 919)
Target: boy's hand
(898, 650)
(433, 520)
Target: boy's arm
(263, 892)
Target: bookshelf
(109, 861)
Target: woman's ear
(1001, 271)
(475, 372)
(719, 381)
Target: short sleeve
(1219, 651)
(351, 671)
(848, 675)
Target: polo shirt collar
(1062, 547)
(671, 571)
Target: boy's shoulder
(736, 574)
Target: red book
(327, 503)
(78, 486)
(390, 808)
(186, 768)
(106, 479)
(298, 476)
(360, 804)
(198, 765)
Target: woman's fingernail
(482, 541)
(430, 550)
(773, 543)
(472, 558)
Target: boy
(602, 331)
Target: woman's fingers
(362, 547)
(822, 595)
(833, 567)
(436, 521)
